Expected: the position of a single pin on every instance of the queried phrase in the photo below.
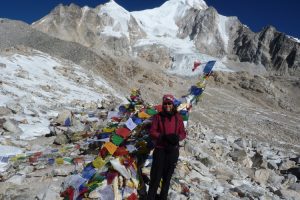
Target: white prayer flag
(130, 124)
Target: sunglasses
(168, 103)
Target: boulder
(238, 155)
(271, 164)
(2, 121)
(11, 126)
(247, 162)
(257, 160)
(4, 111)
(26, 170)
(17, 179)
(296, 159)
(285, 165)
(295, 186)
(289, 180)
(61, 139)
(249, 191)
(275, 180)
(64, 118)
(289, 194)
(223, 174)
(2, 65)
(15, 107)
(240, 142)
(261, 176)
(51, 192)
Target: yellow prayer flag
(108, 129)
(201, 84)
(59, 161)
(111, 148)
(98, 162)
(143, 115)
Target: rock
(223, 174)
(2, 65)
(238, 155)
(261, 176)
(11, 126)
(16, 179)
(51, 192)
(205, 161)
(4, 111)
(61, 139)
(285, 165)
(77, 126)
(61, 172)
(26, 170)
(247, 162)
(271, 164)
(295, 171)
(240, 142)
(217, 150)
(296, 159)
(2, 121)
(247, 172)
(64, 118)
(226, 196)
(181, 170)
(15, 107)
(31, 112)
(248, 191)
(290, 180)
(257, 160)
(295, 186)
(275, 180)
(13, 191)
(190, 148)
(290, 194)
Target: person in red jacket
(167, 130)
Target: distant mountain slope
(121, 72)
(188, 23)
(15, 34)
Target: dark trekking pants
(164, 163)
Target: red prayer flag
(133, 196)
(158, 108)
(196, 64)
(121, 151)
(124, 132)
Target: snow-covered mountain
(176, 27)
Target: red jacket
(157, 129)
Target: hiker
(167, 130)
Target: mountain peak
(112, 7)
(120, 16)
(197, 4)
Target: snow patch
(119, 14)
(293, 38)
(43, 84)
(222, 29)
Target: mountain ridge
(210, 32)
